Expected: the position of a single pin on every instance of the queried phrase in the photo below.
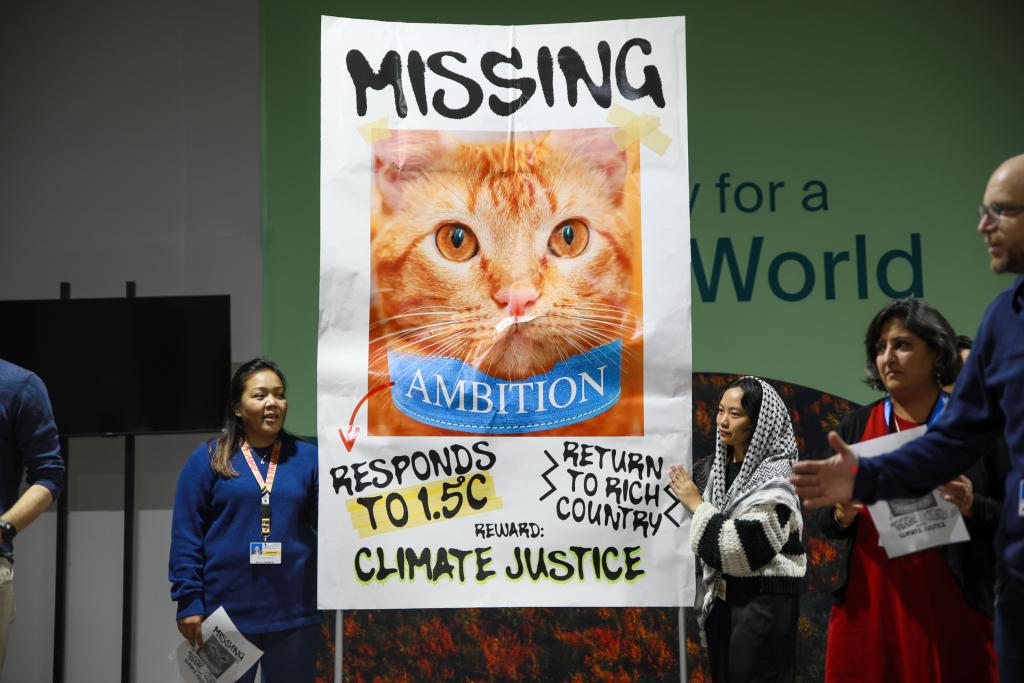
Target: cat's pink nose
(517, 298)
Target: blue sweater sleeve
(36, 438)
(188, 531)
(966, 430)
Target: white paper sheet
(906, 525)
(222, 658)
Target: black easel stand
(128, 578)
(61, 588)
(128, 575)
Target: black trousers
(754, 640)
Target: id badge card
(263, 552)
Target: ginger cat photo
(510, 252)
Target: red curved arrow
(348, 436)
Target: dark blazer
(972, 562)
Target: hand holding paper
(911, 524)
(846, 513)
(191, 629)
(960, 492)
(223, 656)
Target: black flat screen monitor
(145, 365)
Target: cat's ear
(597, 147)
(402, 157)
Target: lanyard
(265, 486)
(940, 405)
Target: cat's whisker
(624, 291)
(480, 353)
(596, 318)
(385, 321)
(598, 315)
(449, 347)
(593, 304)
(435, 307)
(601, 322)
(597, 337)
(611, 330)
(477, 355)
(420, 310)
(630, 321)
(596, 306)
(381, 355)
(419, 343)
(593, 337)
(574, 344)
(413, 330)
(612, 356)
(606, 354)
(437, 345)
(403, 335)
(599, 307)
(423, 340)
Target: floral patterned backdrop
(586, 644)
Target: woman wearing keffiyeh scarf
(746, 531)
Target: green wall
(900, 110)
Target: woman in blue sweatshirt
(243, 535)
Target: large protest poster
(504, 348)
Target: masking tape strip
(375, 131)
(633, 127)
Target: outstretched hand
(829, 481)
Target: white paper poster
(504, 355)
(906, 525)
(222, 658)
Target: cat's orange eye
(569, 239)
(456, 242)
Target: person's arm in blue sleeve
(37, 442)
(316, 496)
(188, 528)
(315, 493)
(964, 433)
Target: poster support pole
(61, 579)
(128, 573)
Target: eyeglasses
(996, 211)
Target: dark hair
(232, 432)
(964, 343)
(925, 321)
(751, 400)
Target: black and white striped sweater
(760, 539)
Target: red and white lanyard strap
(265, 486)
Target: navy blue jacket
(988, 400)
(215, 519)
(28, 438)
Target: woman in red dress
(926, 616)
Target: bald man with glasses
(988, 401)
